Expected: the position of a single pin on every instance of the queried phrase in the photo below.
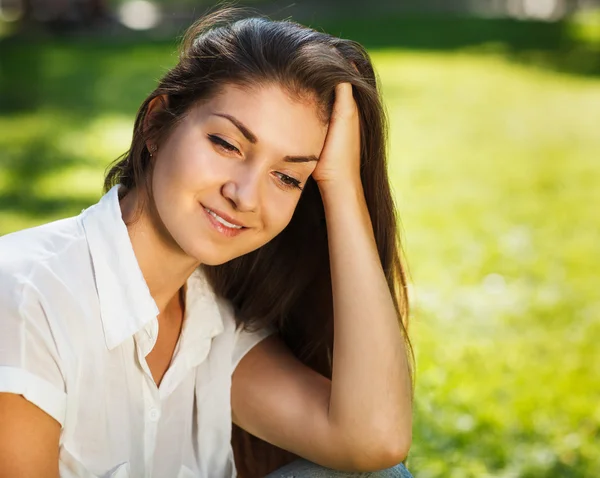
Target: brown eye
(223, 144)
(288, 181)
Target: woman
(241, 268)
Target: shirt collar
(203, 318)
(126, 304)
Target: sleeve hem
(246, 341)
(38, 391)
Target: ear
(157, 105)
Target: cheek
(188, 164)
(278, 213)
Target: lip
(225, 216)
(226, 231)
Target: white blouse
(76, 323)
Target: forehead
(278, 120)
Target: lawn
(495, 165)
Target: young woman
(242, 268)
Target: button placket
(152, 412)
(145, 340)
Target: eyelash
(286, 180)
(223, 144)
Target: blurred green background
(495, 161)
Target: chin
(211, 256)
(210, 253)
(215, 261)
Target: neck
(165, 266)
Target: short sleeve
(29, 359)
(245, 340)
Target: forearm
(371, 390)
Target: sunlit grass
(495, 169)
(53, 165)
(586, 27)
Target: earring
(152, 149)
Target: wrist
(345, 193)
(340, 186)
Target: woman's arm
(362, 419)
(28, 439)
(371, 388)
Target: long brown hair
(285, 283)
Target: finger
(344, 124)
(344, 105)
(343, 133)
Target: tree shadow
(27, 202)
(113, 73)
(549, 45)
(23, 171)
(92, 74)
(82, 76)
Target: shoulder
(220, 321)
(35, 289)
(35, 261)
(24, 253)
(246, 338)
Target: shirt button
(154, 414)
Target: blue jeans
(306, 469)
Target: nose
(243, 190)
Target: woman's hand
(339, 163)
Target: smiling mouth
(228, 227)
(222, 221)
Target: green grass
(495, 167)
(496, 170)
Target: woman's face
(228, 178)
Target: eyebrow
(253, 139)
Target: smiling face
(228, 178)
